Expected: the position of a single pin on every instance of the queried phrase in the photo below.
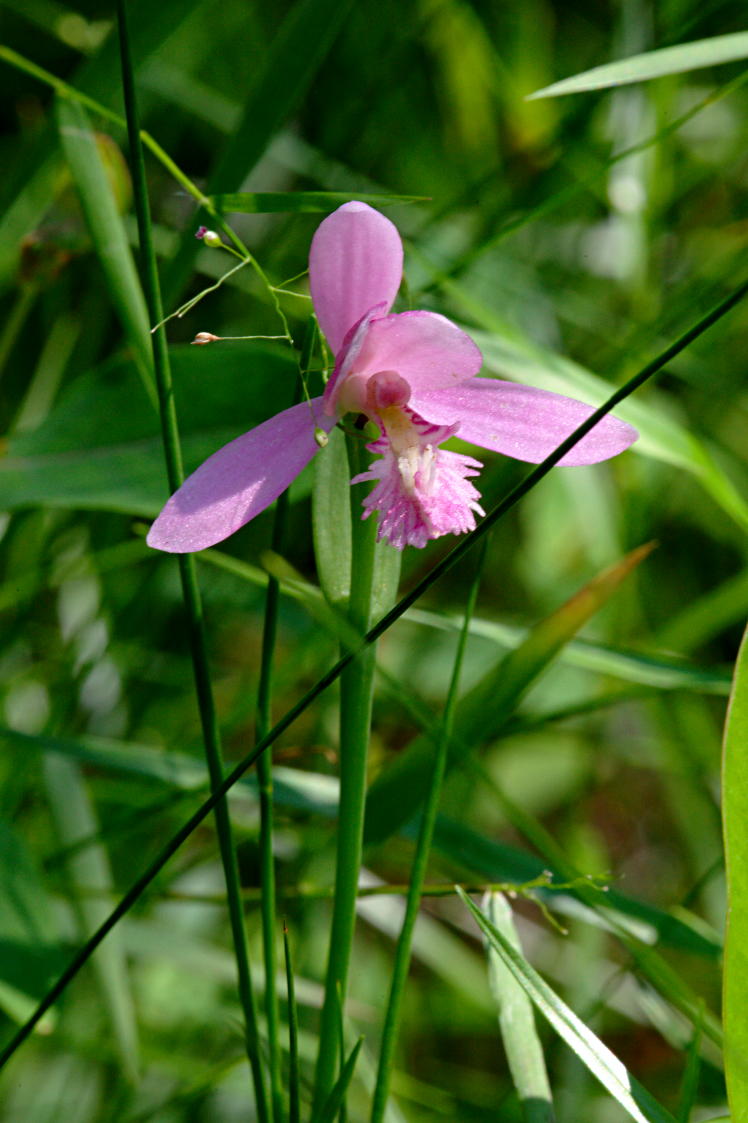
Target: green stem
(190, 588)
(356, 683)
(420, 862)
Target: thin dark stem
(502, 508)
(188, 575)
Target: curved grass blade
(653, 64)
(107, 233)
(302, 202)
(640, 1105)
(523, 1047)
(735, 819)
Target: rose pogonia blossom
(414, 374)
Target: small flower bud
(209, 237)
(205, 337)
(321, 437)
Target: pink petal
(239, 481)
(523, 422)
(426, 349)
(355, 262)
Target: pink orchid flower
(414, 375)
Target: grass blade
(735, 813)
(302, 202)
(653, 64)
(603, 1065)
(523, 1048)
(107, 232)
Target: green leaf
(735, 811)
(332, 534)
(524, 1050)
(100, 447)
(603, 1065)
(306, 202)
(330, 524)
(653, 64)
(660, 437)
(107, 232)
(397, 793)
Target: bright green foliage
(576, 239)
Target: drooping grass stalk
(420, 861)
(268, 906)
(356, 688)
(188, 574)
(496, 513)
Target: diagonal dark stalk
(452, 558)
(188, 575)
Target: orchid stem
(420, 862)
(188, 574)
(356, 686)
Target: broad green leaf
(298, 202)
(603, 1064)
(735, 819)
(524, 1051)
(100, 446)
(659, 435)
(653, 64)
(332, 534)
(107, 232)
(331, 523)
(397, 793)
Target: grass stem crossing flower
(414, 374)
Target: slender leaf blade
(735, 821)
(653, 64)
(604, 1065)
(302, 202)
(523, 1047)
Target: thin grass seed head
(415, 375)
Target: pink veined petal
(424, 348)
(523, 422)
(239, 481)
(355, 262)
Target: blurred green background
(569, 262)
